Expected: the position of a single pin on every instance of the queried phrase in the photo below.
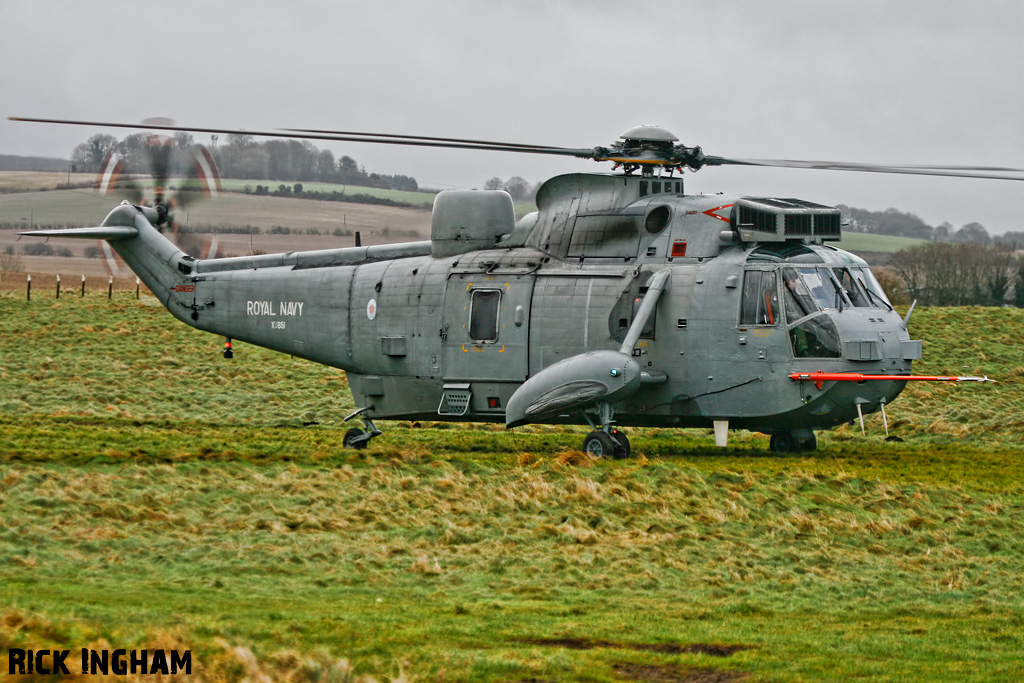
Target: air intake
(767, 219)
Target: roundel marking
(371, 309)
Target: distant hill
(882, 244)
(10, 162)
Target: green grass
(154, 494)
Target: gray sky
(923, 82)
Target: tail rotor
(180, 173)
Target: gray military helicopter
(622, 301)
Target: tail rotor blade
(109, 173)
(203, 179)
(110, 181)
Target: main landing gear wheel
(352, 440)
(809, 443)
(781, 442)
(602, 444)
(599, 444)
(788, 442)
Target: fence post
(136, 287)
(58, 285)
(28, 290)
(110, 288)
(83, 286)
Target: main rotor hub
(646, 148)
(641, 134)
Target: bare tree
(518, 188)
(957, 274)
(88, 156)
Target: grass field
(153, 494)
(423, 200)
(860, 241)
(21, 181)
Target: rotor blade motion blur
(630, 152)
(413, 141)
(987, 172)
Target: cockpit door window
(760, 304)
(797, 296)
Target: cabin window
(760, 298)
(483, 315)
(657, 219)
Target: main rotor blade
(418, 137)
(415, 142)
(599, 153)
(986, 172)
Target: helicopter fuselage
(427, 334)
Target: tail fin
(154, 258)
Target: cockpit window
(874, 290)
(798, 300)
(815, 338)
(821, 285)
(760, 298)
(853, 287)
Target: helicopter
(621, 302)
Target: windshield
(809, 289)
(875, 291)
(854, 288)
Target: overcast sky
(923, 82)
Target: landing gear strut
(356, 438)
(796, 441)
(606, 440)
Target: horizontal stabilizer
(104, 233)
